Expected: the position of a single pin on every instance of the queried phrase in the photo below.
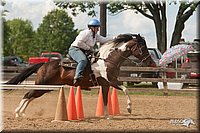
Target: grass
(149, 91)
(137, 89)
(161, 93)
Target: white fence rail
(7, 76)
(34, 87)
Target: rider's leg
(81, 59)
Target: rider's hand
(88, 52)
(114, 37)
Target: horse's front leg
(105, 88)
(129, 103)
(105, 100)
(125, 90)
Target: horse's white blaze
(122, 47)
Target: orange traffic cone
(115, 102)
(110, 111)
(71, 106)
(61, 110)
(100, 104)
(79, 105)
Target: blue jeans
(78, 55)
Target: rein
(126, 58)
(138, 64)
(133, 49)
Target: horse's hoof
(17, 115)
(129, 110)
(23, 114)
(108, 118)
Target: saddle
(68, 62)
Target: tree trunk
(161, 36)
(164, 29)
(176, 36)
(158, 11)
(183, 15)
(160, 21)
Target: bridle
(132, 49)
(140, 52)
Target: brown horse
(106, 70)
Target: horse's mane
(115, 43)
(106, 49)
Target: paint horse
(106, 70)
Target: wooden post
(103, 19)
(165, 92)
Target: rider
(85, 42)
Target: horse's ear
(139, 37)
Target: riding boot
(77, 81)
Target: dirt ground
(150, 113)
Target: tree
(76, 7)
(88, 7)
(154, 10)
(18, 35)
(184, 12)
(7, 47)
(55, 33)
(157, 9)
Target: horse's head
(135, 45)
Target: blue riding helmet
(94, 23)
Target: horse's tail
(24, 74)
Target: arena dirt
(150, 113)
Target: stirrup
(78, 81)
(93, 79)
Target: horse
(106, 70)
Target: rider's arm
(102, 39)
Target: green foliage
(114, 7)
(17, 37)
(55, 33)
(77, 7)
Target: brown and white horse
(106, 70)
